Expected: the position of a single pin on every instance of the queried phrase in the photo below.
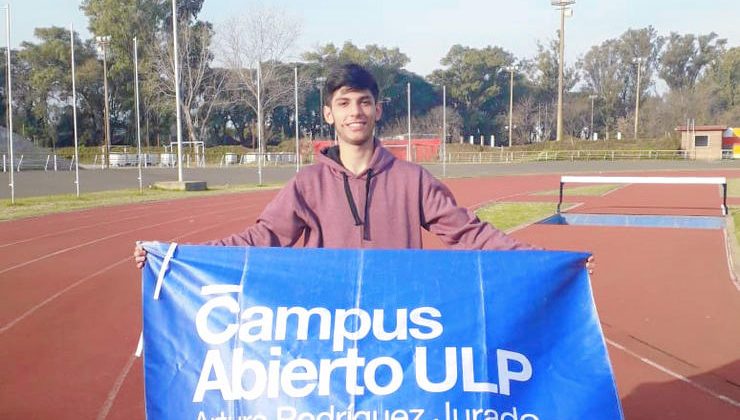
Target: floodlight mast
(639, 61)
(103, 43)
(511, 100)
(10, 104)
(178, 118)
(591, 128)
(563, 6)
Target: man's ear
(378, 111)
(328, 117)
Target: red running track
(70, 299)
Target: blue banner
(323, 334)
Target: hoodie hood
(380, 161)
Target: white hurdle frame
(676, 180)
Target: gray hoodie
(384, 207)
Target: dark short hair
(352, 76)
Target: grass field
(505, 216)
(40, 206)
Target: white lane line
(674, 374)
(72, 248)
(111, 399)
(38, 306)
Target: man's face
(353, 113)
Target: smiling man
(358, 195)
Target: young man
(359, 195)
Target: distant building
(730, 138)
(703, 142)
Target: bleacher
(27, 156)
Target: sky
(425, 30)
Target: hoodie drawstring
(351, 200)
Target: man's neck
(356, 158)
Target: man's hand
(139, 256)
(590, 264)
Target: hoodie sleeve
(456, 226)
(279, 225)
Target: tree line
(680, 76)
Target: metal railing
(50, 162)
(504, 156)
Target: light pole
(176, 58)
(138, 116)
(10, 104)
(563, 6)
(639, 61)
(259, 122)
(320, 80)
(444, 130)
(408, 118)
(591, 129)
(511, 101)
(74, 106)
(103, 42)
(297, 139)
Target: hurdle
(678, 180)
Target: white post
(177, 92)
(74, 109)
(637, 96)
(444, 131)
(297, 139)
(408, 113)
(138, 125)
(561, 54)
(259, 122)
(10, 104)
(511, 102)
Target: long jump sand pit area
(70, 313)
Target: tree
(383, 63)
(44, 86)
(123, 20)
(259, 42)
(424, 96)
(543, 72)
(476, 80)
(200, 85)
(428, 123)
(640, 50)
(726, 75)
(606, 76)
(687, 56)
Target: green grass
(583, 190)
(733, 187)
(506, 216)
(39, 206)
(735, 213)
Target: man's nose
(355, 108)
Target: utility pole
(138, 114)
(638, 60)
(444, 130)
(10, 104)
(103, 42)
(321, 81)
(511, 101)
(591, 128)
(297, 135)
(74, 107)
(178, 118)
(408, 118)
(563, 6)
